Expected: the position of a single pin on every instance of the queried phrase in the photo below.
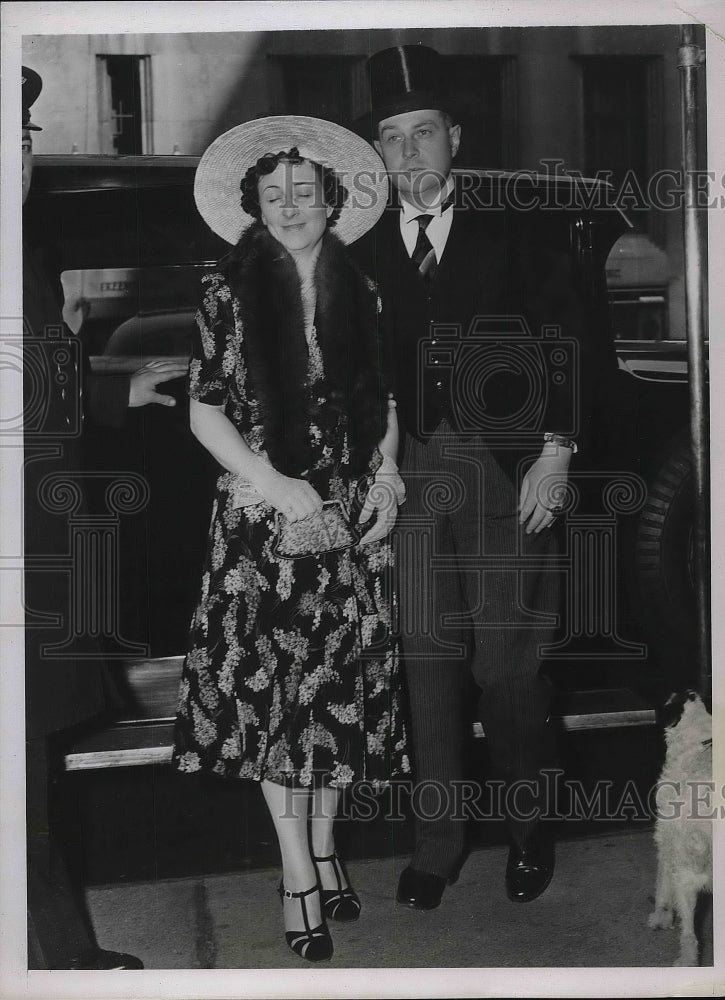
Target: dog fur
(683, 829)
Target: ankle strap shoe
(313, 943)
(342, 903)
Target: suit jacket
(60, 692)
(470, 347)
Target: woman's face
(293, 207)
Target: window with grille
(125, 104)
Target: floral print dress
(292, 669)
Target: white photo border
(110, 18)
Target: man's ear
(454, 133)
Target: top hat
(405, 78)
(32, 85)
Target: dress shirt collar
(439, 227)
(411, 212)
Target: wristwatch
(561, 439)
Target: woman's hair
(334, 191)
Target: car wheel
(664, 556)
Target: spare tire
(665, 592)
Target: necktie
(424, 256)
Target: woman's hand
(386, 493)
(544, 488)
(294, 498)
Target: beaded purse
(327, 531)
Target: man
(60, 693)
(484, 477)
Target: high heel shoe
(313, 943)
(339, 904)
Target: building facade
(599, 100)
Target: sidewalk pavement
(594, 914)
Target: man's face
(27, 163)
(417, 148)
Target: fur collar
(264, 277)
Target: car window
(132, 312)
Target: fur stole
(263, 276)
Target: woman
(291, 676)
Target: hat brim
(225, 162)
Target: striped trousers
(477, 596)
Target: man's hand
(145, 380)
(386, 493)
(76, 312)
(544, 488)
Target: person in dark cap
(31, 84)
(441, 266)
(60, 693)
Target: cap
(32, 85)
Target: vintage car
(125, 246)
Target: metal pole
(690, 58)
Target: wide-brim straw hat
(225, 162)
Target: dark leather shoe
(530, 868)
(99, 960)
(420, 890)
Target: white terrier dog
(683, 830)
